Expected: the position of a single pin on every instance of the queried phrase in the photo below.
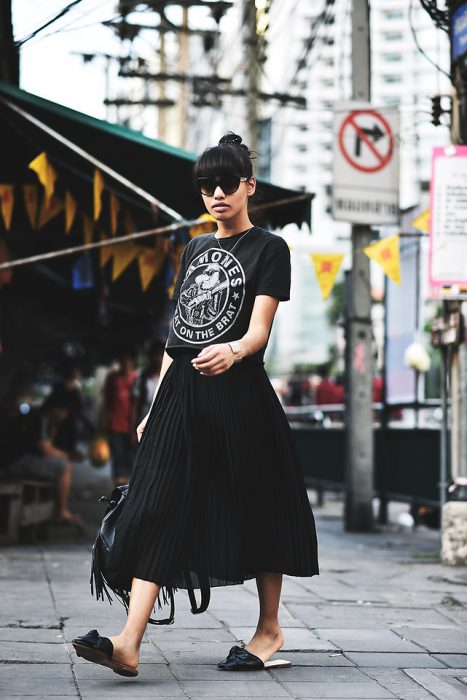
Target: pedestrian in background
(217, 495)
(146, 382)
(118, 416)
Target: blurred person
(146, 382)
(217, 494)
(326, 391)
(118, 416)
(29, 448)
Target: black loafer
(99, 650)
(240, 659)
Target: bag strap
(168, 594)
(205, 594)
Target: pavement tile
(24, 686)
(204, 672)
(194, 652)
(398, 682)
(251, 688)
(367, 640)
(443, 684)
(22, 634)
(453, 660)
(154, 671)
(31, 652)
(330, 659)
(180, 634)
(52, 671)
(120, 687)
(394, 660)
(320, 674)
(437, 641)
(346, 691)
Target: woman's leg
(127, 644)
(268, 636)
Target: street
(383, 620)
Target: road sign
(459, 32)
(366, 164)
(448, 222)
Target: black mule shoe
(99, 650)
(240, 659)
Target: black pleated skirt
(217, 493)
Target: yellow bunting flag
(422, 222)
(128, 223)
(70, 211)
(208, 225)
(31, 202)
(326, 265)
(7, 200)
(107, 251)
(88, 229)
(114, 209)
(98, 189)
(123, 256)
(46, 174)
(148, 266)
(47, 213)
(386, 253)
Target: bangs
(222, 160)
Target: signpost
(366, 164)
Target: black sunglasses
(228, 184)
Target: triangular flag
(208, 225)
(123, 256)
(148, 266)
(47, 213)
(46, 174)
(422, 222)
(7, 200)
(386, 253)
(128, 223)
(31, 202)
(6, 274)
(107, 251)
(114, 209)
(326, 265)
(70, 211)
(88, 229)
(98, 189)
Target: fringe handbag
(103, 578)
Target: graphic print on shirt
(211, 297)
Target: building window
(392, 36)
(393, 14)
(392, 78)
(392, 57)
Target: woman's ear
(251, 186)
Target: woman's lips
(220, 207)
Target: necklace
(235, 245)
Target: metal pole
(359, 447)
(443, 462)
(252, 74)
(184, 70)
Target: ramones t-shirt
(217, 284)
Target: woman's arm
(166, 362)
(218, 358)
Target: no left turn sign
(366, 140)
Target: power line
(54, 19)
(417, 44)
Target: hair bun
(231, 139)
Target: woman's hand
(215, 359)
(141, 427)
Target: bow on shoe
(239, 659)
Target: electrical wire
(417, 44)
(46, 24)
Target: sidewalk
(383, 620)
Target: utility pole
(161, 116)
(359, 418)
(184, 70)
(9, 55)
(252, 74)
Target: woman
(217, 494)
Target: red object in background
(377, 393)
(328, 393)
(118, 396)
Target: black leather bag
(103, 578)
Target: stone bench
(26, 508)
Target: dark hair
(229, 157)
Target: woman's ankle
(269, 629)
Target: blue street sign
(459, 32)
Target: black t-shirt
(216, 288)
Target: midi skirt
(217, 494)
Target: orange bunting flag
(46, 174)
(107, 251)
(6, 275)
(31, 202)
(207, 226)
(148, 266)
(123, 256)
(88, 229)
(70, 211)
(7, 200)
(50, 211)
(422, 222)
(386, 253)
(128, 223)
(98, 189)
(326, 265)
(114, 209)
